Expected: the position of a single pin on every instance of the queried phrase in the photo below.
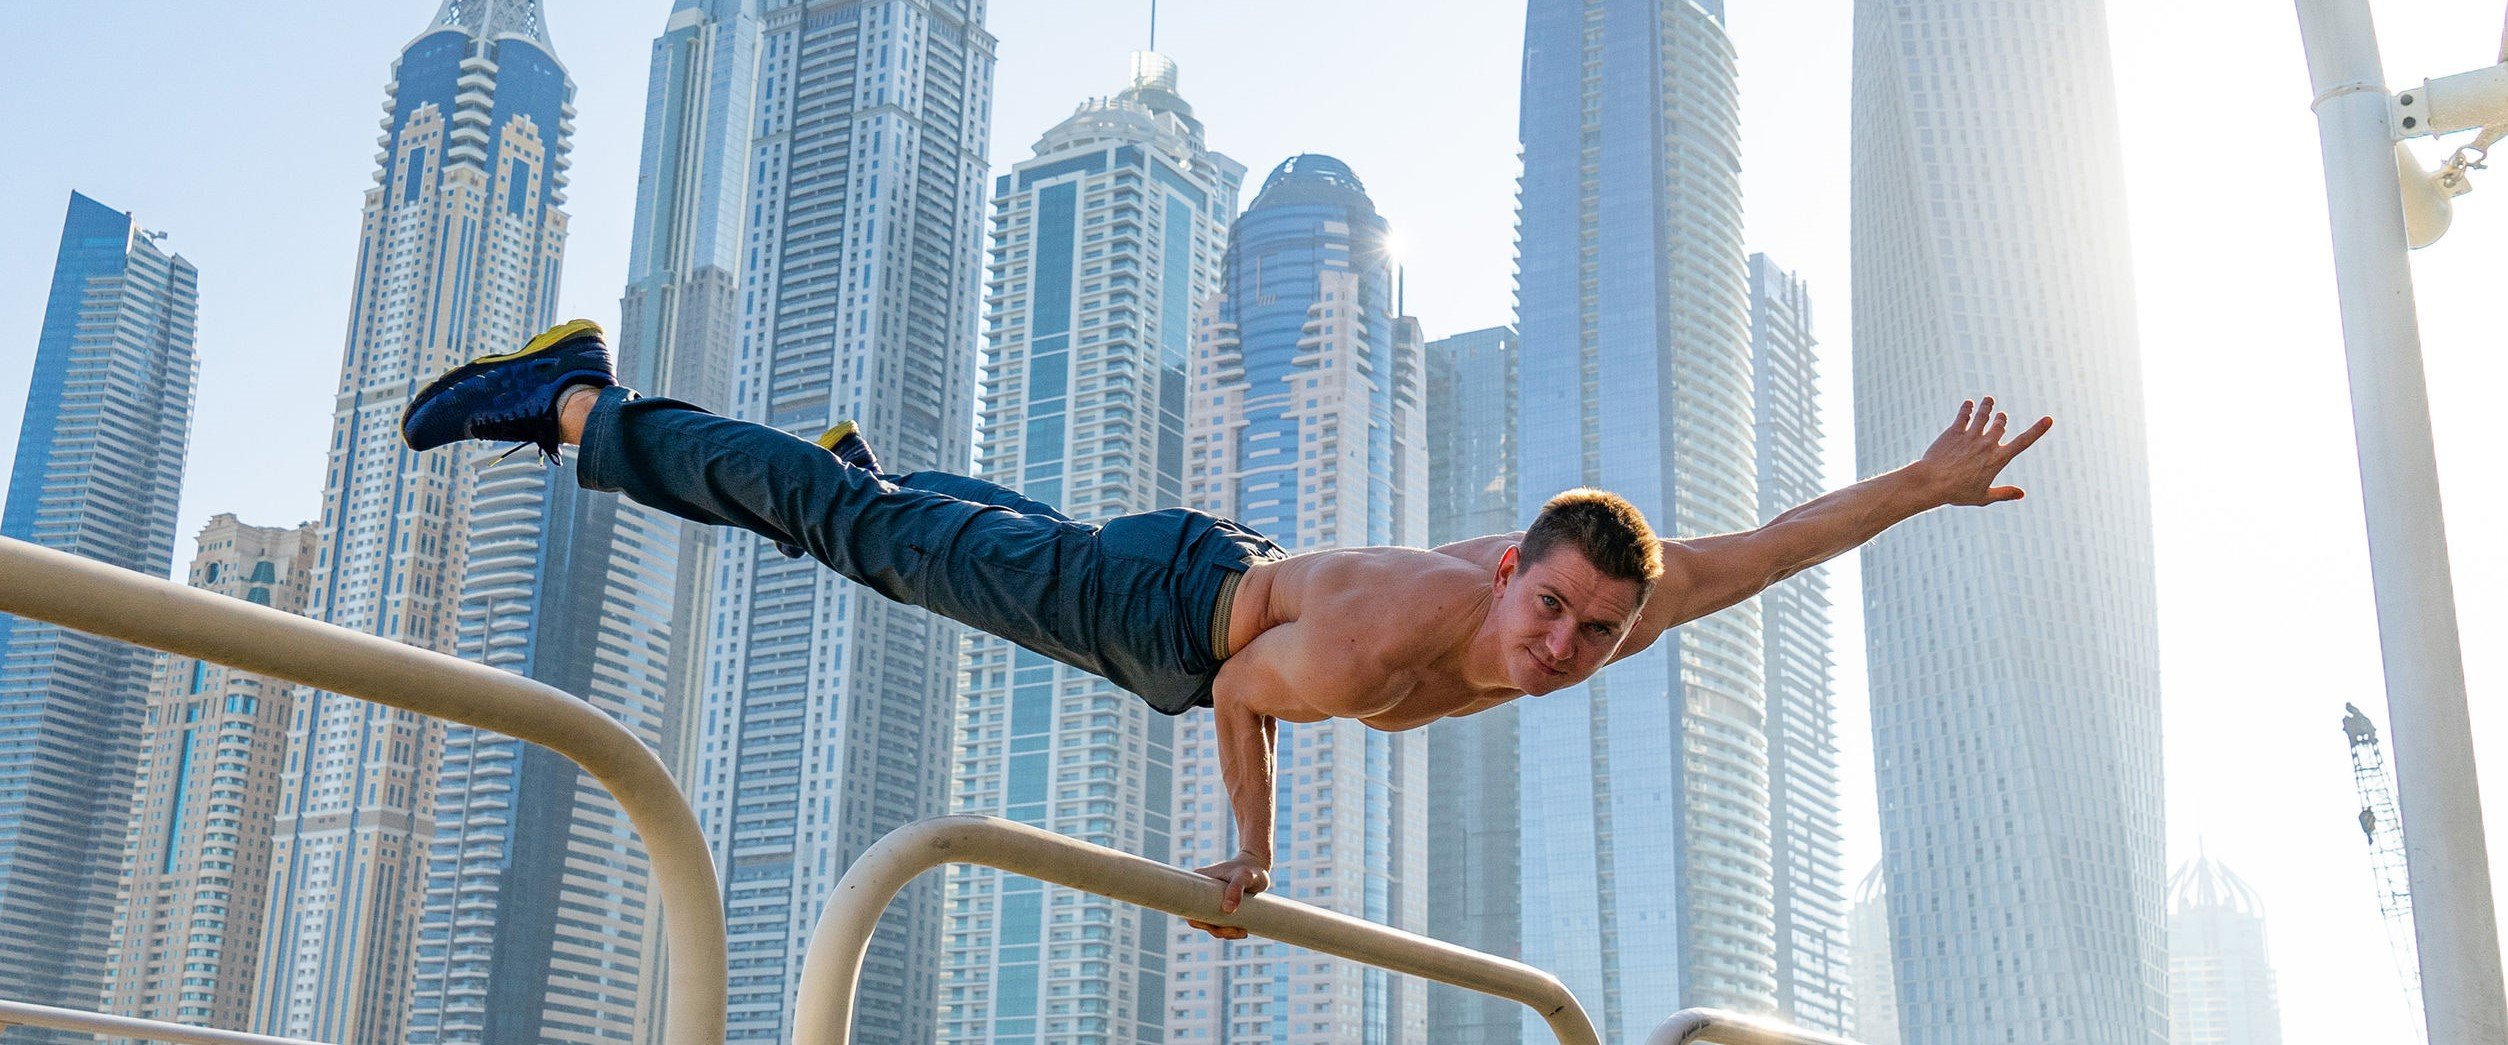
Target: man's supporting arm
(1247, 739)
(1704, 574)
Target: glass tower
(1810, 875)
(828, 711)
(99, 468)
(1104, 241)
(1647, 848)
(458, 256)
(2220, 974)
(1306, 421)
(679, 317)
(2014, 652)
(196, 871)
(1474, 894)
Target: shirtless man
(1185, 609)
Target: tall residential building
(828, 711)
(99, 467)
(1805, 839)
(1306, 422)
(1474, 892)
(458, 256)
(2013, 651)
(1645, 790)
(1875, 975)
(196, 869)
(679, 319)
(1104, 241)
(2220, 977)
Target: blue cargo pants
(1135, 600)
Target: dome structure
(2205, 883)
(1311, 177)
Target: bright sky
(247, 130)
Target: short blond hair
(1603, 527)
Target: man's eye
(1550, 603)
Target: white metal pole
(93, 597)
(831, 971)
(2416, 605)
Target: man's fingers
(2023, 441)
(1967, 408)
(1236, 893)
(1995, 431)
(2005, 493)
(1985, 410)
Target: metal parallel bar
(1718, 1027)
(832, 970)
(22, 1014)
(90, 596)
(2445, 852)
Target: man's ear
(1507, 565)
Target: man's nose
(1562, 642)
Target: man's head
(1567, 594)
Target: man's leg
(1032, 579)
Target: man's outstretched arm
(1705, 574)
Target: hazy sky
(246, 130)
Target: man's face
(1560, 619)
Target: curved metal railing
(832, 970)
(1718, 1027)
(47, 585)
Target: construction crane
(2382, 827)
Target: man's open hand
(1965, 460)
(1244, 876)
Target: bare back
(1375, 634)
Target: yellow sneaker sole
(550, 338)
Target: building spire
(1153, 44)
(490, 19)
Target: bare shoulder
(1401, 601)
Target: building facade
(1645, 790)
(1875, 976)
(1810, 876)
(99, 468)
(2013, 652)
(1306, 421)
(458, 256)
(1104, 241)
(828, 715)
(1474, 892)
(2220, 974)
(196, 868)
(679, 317)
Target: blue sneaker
(512, 396)
(846, 442)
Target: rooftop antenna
(1153, 25)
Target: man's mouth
(1544, 664)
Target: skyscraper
(2013, 651)
(828, 710)
(1306, 423)
(99, 468)
(458, 256)
(1474, 888)
(1875, 975)
(196, 871)
(679, 319)
(2220, 977)
(1107, 237)
(1812, 988)
(1645, 790)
